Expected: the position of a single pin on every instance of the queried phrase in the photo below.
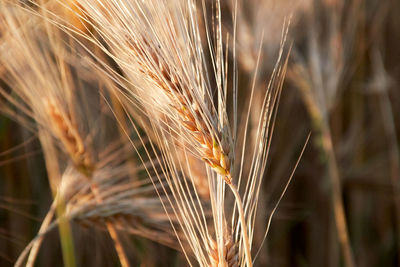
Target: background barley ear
(68, 134)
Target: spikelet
(230, 254)
(68, 134)
(194, 168)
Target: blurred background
(342, 85)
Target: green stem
(67, 244)
(66, 239)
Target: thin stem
(113, 232)
(338, 207)
(394, 155)
(67, 243)
(117, 243)
(43, 228)
(65, 232)
(242, 218)
(322, 126)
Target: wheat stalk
(320, 77)
(189, 112)
(158, 48)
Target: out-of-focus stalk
(337, 202)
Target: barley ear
(67, 132)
